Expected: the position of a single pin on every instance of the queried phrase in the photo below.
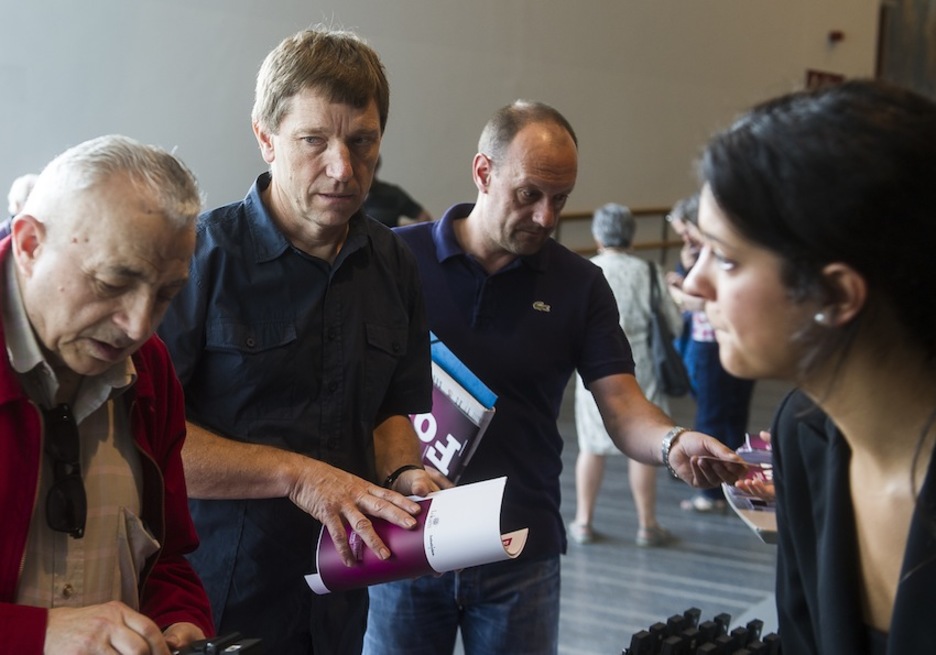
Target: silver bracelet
(667, 445)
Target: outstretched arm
(638, 428)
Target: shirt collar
(22, 347)
(267, 239)
(270, 242)
(447, 246)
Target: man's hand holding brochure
(457, 528)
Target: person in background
(19, 192)
(816, 268)
(302, 347)
(391, 205)
(723, 401)
(524, 313)
(16, 198)
(688, 253)
(95, 515)
(613, 227)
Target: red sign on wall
(816, 79)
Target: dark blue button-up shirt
(276, 347)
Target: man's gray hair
(154, 170)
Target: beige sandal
(703, 505)
(580, 533)
(654, 537)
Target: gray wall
(644, 82)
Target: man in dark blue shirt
(523, 313)
(302, 346)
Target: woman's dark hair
(840, 174)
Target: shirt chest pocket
(390, 341)
(386, 346)
(251, 359)
(236, 337)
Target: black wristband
(388, 483)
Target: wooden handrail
(638, 212)
(663, 244)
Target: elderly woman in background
(613, 228)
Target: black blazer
(818, 599)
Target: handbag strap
(654, 287)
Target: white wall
(643, 82)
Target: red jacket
(170, 591)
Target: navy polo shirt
(523, 331)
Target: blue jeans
(507, 607)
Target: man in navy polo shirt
(524, 313)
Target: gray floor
(612, 589)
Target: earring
(823, 319)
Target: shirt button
(396, 348)
(68, 591)
(331, 333)
(332, 387)
(251, 342)
(331, 444)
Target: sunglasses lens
(66, 504)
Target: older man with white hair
(96, 521)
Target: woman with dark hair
(818, 215)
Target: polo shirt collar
(447, 246)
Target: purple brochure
(457, 528)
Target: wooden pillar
(907, 52)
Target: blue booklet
(445, 358)
(462, 408)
